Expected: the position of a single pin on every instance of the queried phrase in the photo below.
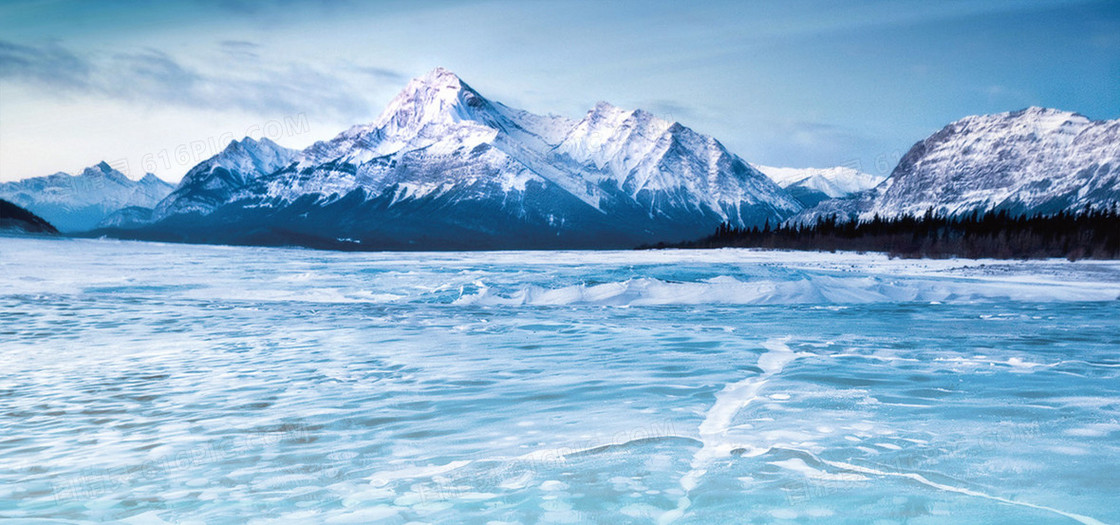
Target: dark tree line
(1087, 234)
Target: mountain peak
(606, 119)
(151, 178)
(1038, 113)
(244, 143)
(606, 110)
(103, 169)
(441, 75)
(235, 145)
(438, 97)
(1038, 110)
(437, 83)
(249, 146)
(603, 106)
(1034, 122)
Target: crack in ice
(717, 422)
(737, 396)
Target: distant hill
(16, 219)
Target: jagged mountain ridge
(443, 167)
(79, 202)
(1035, 160)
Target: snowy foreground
(155, 383)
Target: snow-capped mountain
(79, 202)
(213, 181)
(1035, 160)
(444, 167)
(813, 185)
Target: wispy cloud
(383, 74)
(240, 49)
(154, 77)
(50, 64)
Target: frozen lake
(156, 383)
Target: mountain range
(444, 167)
(75, 203)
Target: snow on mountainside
(642, 154)
(444, 167)
(79, 202)
(213, 181)
(1035, 160)
(435, 120)
(813, 185)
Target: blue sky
(160, 86)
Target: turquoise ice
(152, 383)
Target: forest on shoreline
(1087, 234)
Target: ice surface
(152, 383)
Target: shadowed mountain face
(1031, 161)
(79, 202)
(445, 168)
(14, 219)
